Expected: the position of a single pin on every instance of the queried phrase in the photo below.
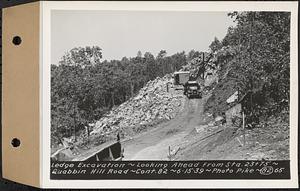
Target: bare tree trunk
(172, 68)
(105, 100)
(74, 118)
(132, 89)
(88, 134)
(113, 99)
(163, 69)
(124, 97)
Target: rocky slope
(158, 100)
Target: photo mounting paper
(169, 94)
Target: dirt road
(217, 142)
(154, 144)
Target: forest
(253, 57)
(84, 88)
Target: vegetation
(254, 59)
(84, 88)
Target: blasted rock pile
(158, 99)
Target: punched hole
(15, 142)
(17, 40)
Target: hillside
(155, 102)
(155, 121)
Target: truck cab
(192, 89)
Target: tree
(215, 45)
(151, 68)
(193, 54)
(255, 54)
(84, 88)
(82, 56)
(161, 62)
(139, 54)
(161, 54)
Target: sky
(124, 33)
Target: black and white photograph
(150, 94)
(169, 86)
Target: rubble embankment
(158, 100)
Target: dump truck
(181, 77)
(192, 89)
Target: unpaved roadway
(154, 144)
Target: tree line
(84, 88)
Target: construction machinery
(181, 77)
(192, 89)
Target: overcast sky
(124, 33)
